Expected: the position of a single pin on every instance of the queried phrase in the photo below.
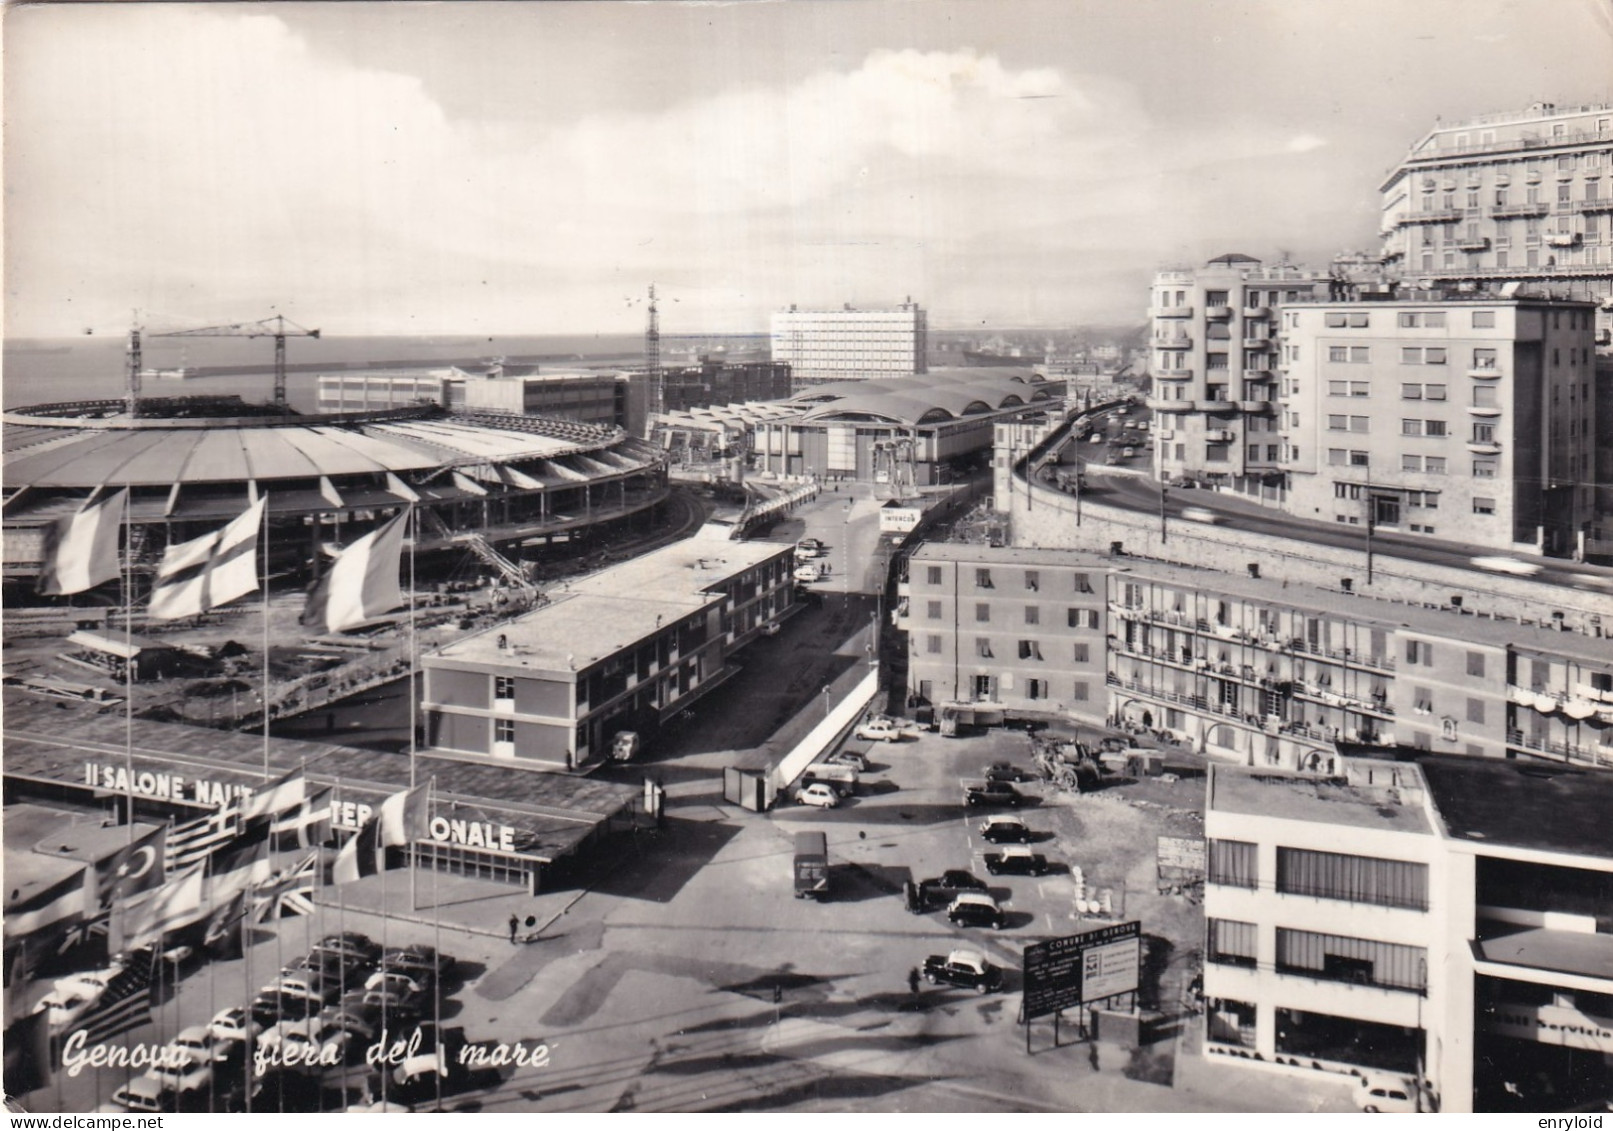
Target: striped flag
(194, 841)
(305, 826)
(152, 914)
(362, 583)
(238, 868)
(126, 1002)
(60, 902)
(401, 820)
(290, 893)
(209, 571)
(81, 550)
(277, 797)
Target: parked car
(233, 1024)
(852, 758)
(406, 959)
(348, 944)
(398, 983)
(841, 779)
(358, 1018)
(966, 968)
(65, 1005)
(1006, 771)
(817, 793)
(180, 1079)
(1508, 565)
(811, 546)
(811, 571)
(992, 793)
(1378, 1092)
(952, 881)
(143, 1094)
(879, 730)
(1004, 830)
(976, 909)
(1200, 514)
(197, 1044)
(1016, 859)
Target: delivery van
(811, 866)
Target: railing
(1576, 751)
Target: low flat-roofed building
(1441, 918)
(621, 650)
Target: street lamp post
(1162, 495)
(826, 701)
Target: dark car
(1016, 859)
(424, 959)
(976, 909)
(993, 793)
(966, 968)
(1005, 830)
(348, 945)
(952, 881)
(1003, 771)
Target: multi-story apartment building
(1440, 918)
(1215, 372)
(1522, 196)
(1019, 630)
(1246, 669)
(1443, 414)
(849, 344)
(622, 649)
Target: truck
(991, 793)
(811, 866)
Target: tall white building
(1526, 195)
(1467, 416)
(849, 344)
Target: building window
(1033, 580)
(503, 730)
(1434, 465)
(1338, 388)
(1337, 457)
(1411, 427)
(1485, 396)
(1475, 710)
(932, 575)
(1411, 463)
(503, 687)
(1484, 320)
(1232, 943)
(1353, 879)
(1082, 618)
(1079, 690)
(1422, 700)
(1411, 392)
(1036, 689)
(1029, 650)
(1483, 432)
(1033, 614)
(932, 645)
(933, 609)
(1338, 353)
(983, 579)
(1083, 583)
(1336, 423)
(1420, 652)
(1081, 653)
(1484, 469)
(1339, 958)
(1334, 321)
(1483, 505)
(982, 613)
(1234, 863)
(1433, 428)
(1358, 459)
(983, 647)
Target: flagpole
(128, 657)
(436, 948)
(414, 661)
(265, 639)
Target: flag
(81, 550)
(305, 826)
(132, 869)
(405, 817)
(194, 841)
(209, 571)
(126, 1002)
(277, 797)
(291, 892)
(224, 925)
(401, 820)
(57, 903)
(242, 865)
(27, 1057)
(362, 583)
(150, 915)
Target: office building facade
(821, 346)
(1470, 416)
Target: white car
(1508, 565)
(817, 793)
(233, 1024)
(1200, 514)
(64, 1005)
(196, 1045)
(190, 1078)
(879, 730)
(1385, 1093)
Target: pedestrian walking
(515, 925)
(913, 981)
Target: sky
(530, 168)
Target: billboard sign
(1181, 855)
(1068, 972)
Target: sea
(47, 370)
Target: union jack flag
(290, 893)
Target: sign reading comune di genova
(1077, 969)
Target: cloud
(205, 163)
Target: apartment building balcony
(1375, 663)
(1174, 342)
(1216, 313)
(1578, 707)
(1170, 312)
(1604, 204)
(1258, 407)
(1485, 372)
(1435, 216)
(1570, 751)
(1216, 406)
(1325, 695)
(1259, 375)
(1260, 342)
(1257, 312)
(1563, 239)
(1173, 375)
(1483, 410)
(1473, 243)
(1513, 211)
(1484, 447)
(1170, 406)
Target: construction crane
(279, 328)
